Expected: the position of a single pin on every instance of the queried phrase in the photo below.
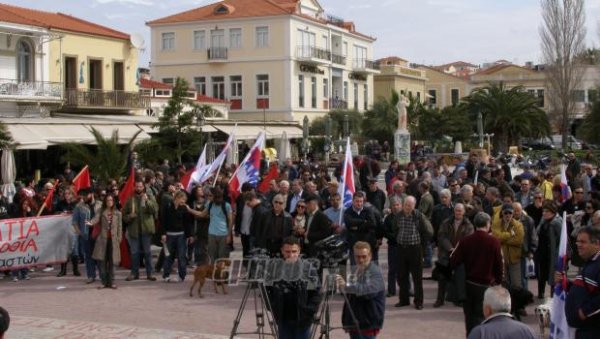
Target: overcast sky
(429, 32)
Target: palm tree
(6, 140)
(380, 121)
(109, 160)
(508, 113)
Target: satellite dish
(137, 40)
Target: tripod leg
(354, 319)
(236, 322)
(266, 303)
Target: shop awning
(126, 132)
(275, 132)
(26, 138)
(245, 132)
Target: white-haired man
(499, 323)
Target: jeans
(428, 255)
(20, 273)
(392, 268)
(88, 247)
(524, 273)
(177, 247)
(291, 331)
(106, 266)
(137, 245)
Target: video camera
(331, 251)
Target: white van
(572, 142)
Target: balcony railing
(310, 52)
(338, 59)
(360, 64)
(87, 98)
(44, 89)
(217, 53)
(338, 104)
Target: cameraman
(366, 295)
(294, 299)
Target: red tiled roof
(204, 98)
(60, 21)
(392, 60)
(147, 83)
(499, 67)
(457, 63)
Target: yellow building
(444, 89)
(396, 74)
(272, 59)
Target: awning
(126, 132)
(58, 134)
(275, 132)
(26, 138)
(242, 132)
(151, 129)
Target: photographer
(366, 295)
(294, 300)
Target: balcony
(87, 99)
(217, 54)
(338, 59)
(338, 104)
(37, 91)
(365, 66)
(311, 54)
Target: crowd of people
(424, 211)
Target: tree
(591, 124)
(178, 124)
(509, 113)
(108, 161)
(380, 121)
(6, 139)
(562, 34)
(317, 126)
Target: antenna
(137, 41)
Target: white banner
(28, 242)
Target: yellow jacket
(511, 239)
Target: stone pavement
(51, 307)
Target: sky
(430, 32)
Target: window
(168, 81)
(345, 90)
(579, 95)
(345, 49)
(200, 85)
(262, 36)
(432, 97)
(366, 97)
(592, 95)
(300, 90)
(167, 41)
(360, 57)
(146, 92)
(25, 56)
(355, 96)
(217, 38)
(325, 42)
(235, 38)
(199, 40)
(163, 92)
(540, 95)
(262, 85)
(306, 43)
(236, 86)
(218, 87)
(325, 88)
(313, 92)
(454, 94)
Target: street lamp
(327, 145)
(305, 137)
(199, 122)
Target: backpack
(223, 208)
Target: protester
(510, 233)
(4, 322)
(366, 295)
(481, 254)
(548, 240)
(275, 225)
(81, 218)
(499, 323)
(177, 233)
(106, 249)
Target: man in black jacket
(318, 225)
(294, 301)
(274, 226)
(361, 223)
(177, 232)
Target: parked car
(538, 144)
(572, 142)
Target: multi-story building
(459, 69)
(444, 89)
(272, 59)
(397, 74)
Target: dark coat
(585, 296)
(361, 227)
(265, 235)
(366, 298)
(319, 228)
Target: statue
(402, 113)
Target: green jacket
(144, 216)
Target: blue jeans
(287, 331)
(392, 268)
(88, 248)
(428, 255)
(20, 273)
(524, 272)
(137, 245)
(177, 247)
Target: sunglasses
(301, 206)
(578, 192)
(507, 212)
(278, 202)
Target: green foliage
(107, 160)
(380, 121)
(178, 124)
(6, 140)
(509, 113)
(591, 124)
(317, 126)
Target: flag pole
(80, 172)
(343, 183)
(41, 210)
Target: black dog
(519, 299)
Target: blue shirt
(218, 222)
(81, 214)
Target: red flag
(50, 197)
(128, 188)
(185, 179)
(125, 257)
(272, 175)
(82, 180)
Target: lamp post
(199, 122)
(489, 136)
(327, 145)
(305, 138)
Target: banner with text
(28, 242)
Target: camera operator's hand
(341, 283)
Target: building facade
(272, 60)
(443, 89)
(396, 74)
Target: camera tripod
(262, 309)
(323, 316)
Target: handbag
(530, 268)
(96, 228)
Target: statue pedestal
(402, 146)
